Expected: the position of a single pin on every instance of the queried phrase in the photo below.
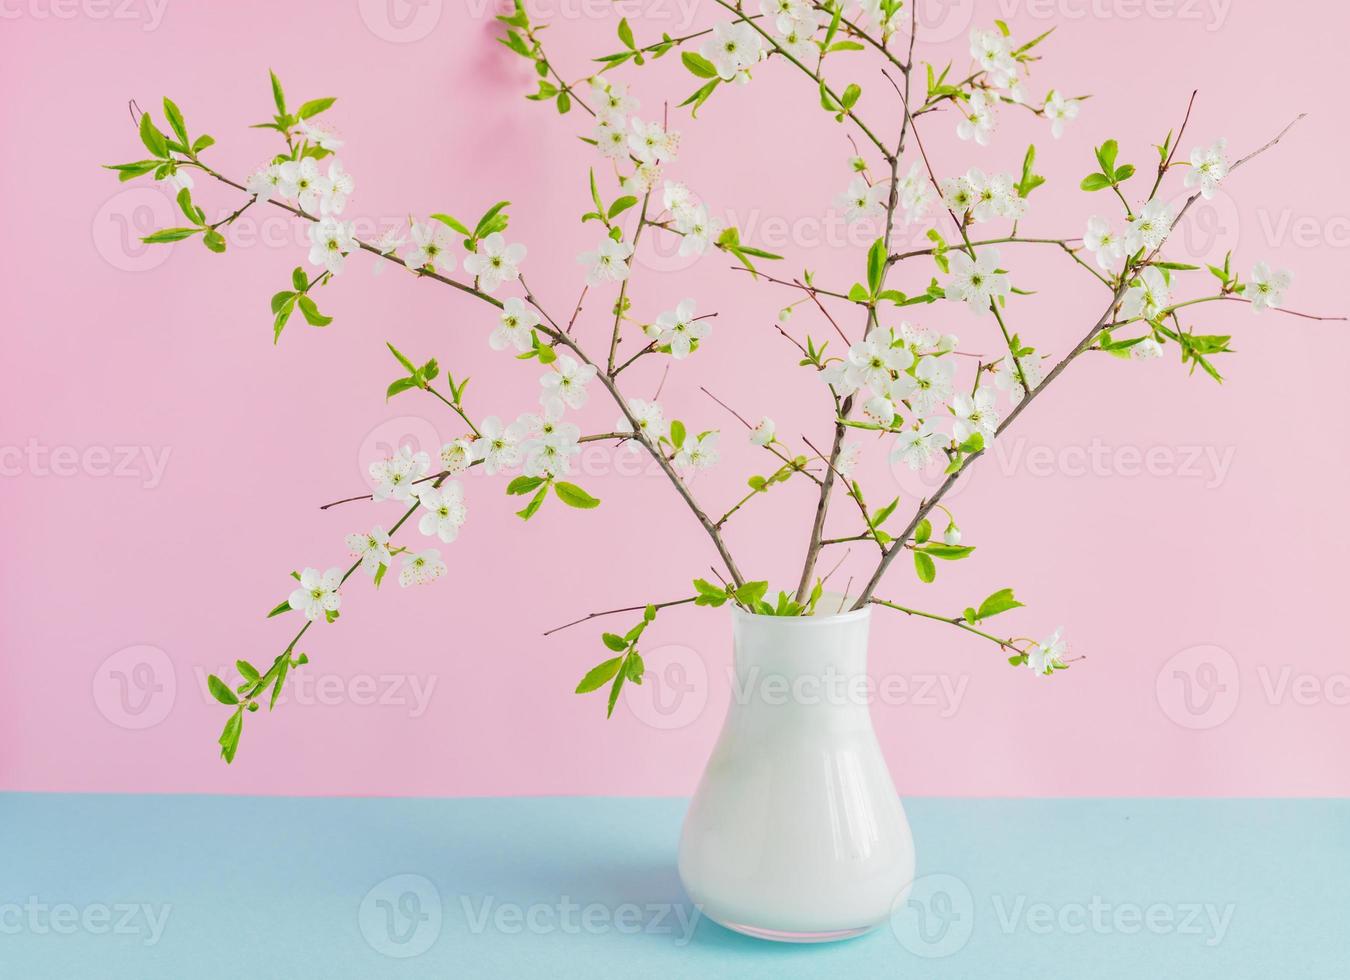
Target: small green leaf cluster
(420, 377)
(1109, 175)
(244, 697)
(925, 550)
(520, 38)
(285, 303)
(627, 666)
(569, 493)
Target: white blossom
(1148, 298)
(733, 48)
(650, 142)
(566, 383)
(300, 180)
(879, 409)
(514, 326)
(797, 37)
(698, 229)
(265, 183)
(763, 432)
(445, 511)
(651, 420)
(1104, 243)
(1209, 165)
(335, 188)
(1266, 289)
(430, 247)
(952, 535)
(784, 12)
(421, 567)
(372, 548)
(1060, 111)
(862, 200)
(324, 139)
(918, 447)
(676, 198)
(1006, 377)
(1149, 228)
(1044, 657)
(975, 413)
(613, 103)
(608, 263)
(928, 387)
(395, 477)
(1146, 350)
(494, 262)
(990, 51)
(959, 195)
(976, 281)
(847, 460)
(979, 118)
(331, 241)
(678, 329)
(698, 452)
(611, 138)
(318, 593)
(499, 447)
(550, 450)
(915, 193)
(387, 244)
(458, 455)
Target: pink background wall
(1217, 565)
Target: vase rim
(833, 619)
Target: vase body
(796, 832)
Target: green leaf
(312, 315)
(597, 676)
(169, 235)
(282, 671)
(621, 205)
(453, 224)
(573, 496)
(1000, 601)
(614, 693)
(152, 138)
(1095, 182)
(751, 593)
(247, 671)
(626, 34)
(279, 609)
(492, 220)
(313, 107)
(925, 567)
(1106, 156)
(1124, 172)
(615, 642)
(677, 433)
(214, 240)
(220, 690)
(400, 386)
(278, 96)
(524, 484)
(175, 118)
(876, 265)
(533, 506)
(130, 171)
(698, 65)
(299, 279)
(401, 358)
(923, 531)
(229, 738)
(948, 552)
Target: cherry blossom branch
(612, 612)
(1004, 644)
(1032, 393)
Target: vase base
(781, 936)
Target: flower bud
(952, 535)
(762, 434)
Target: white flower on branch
(698, 452)
(862, 200)
(445, 511)
(514, 327)
(1060, 111)
(797, 36)
(566, 383)
(318, 593)
(873, 361)
(1104, 243)
(733, 48)
(1146, 350)
(871, 10)
(915, 193)
(928, 387)
(1149, 228)
(979, 120)
(651, 421)
(549, 452)
(300, 179)
(651, 143)
(994, 196)
(499, 447)
(847, 461)
(677, 199)
(763, 432)
(421, 568)
(1266, 289)
(456, 456)
(975, 413)
(959, 195)
(1044, 657)
(879, 409)
(330, 242)
(608, 263)
(324, 139)
(678, 330)
(265, 183)
(644, 177)
(430, 248)
(917, 448)
(1147, 298)
(334, 189)
(699, 230)
(611, 138)
(494, 262)
(395, 477)
(613, 103)
(1209, 165)
(372, 548)
(784, 12)
(976, 281)
(990, 51)
(1007, 378)
(388, 243)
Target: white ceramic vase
(796, 832)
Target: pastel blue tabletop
(205, 886)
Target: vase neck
(805, 663)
